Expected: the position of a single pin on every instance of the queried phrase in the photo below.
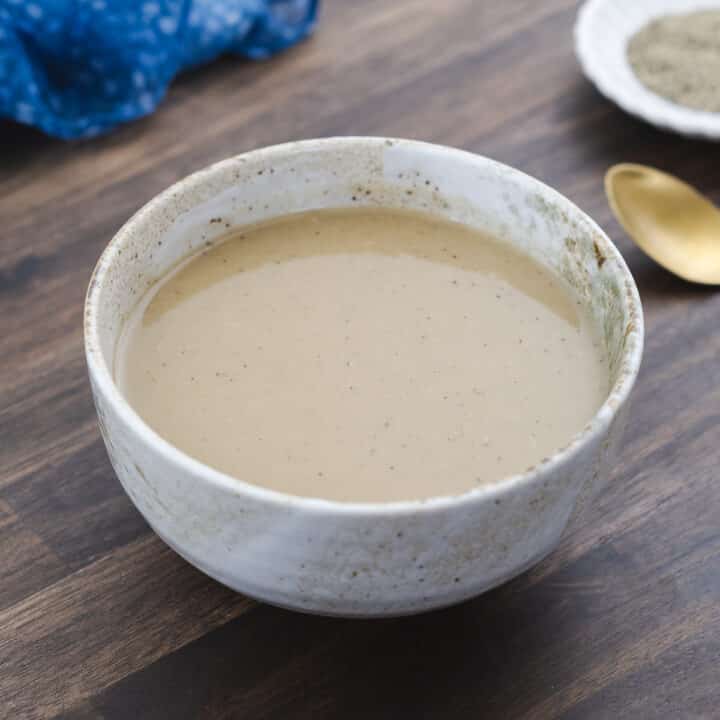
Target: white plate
(602, 31)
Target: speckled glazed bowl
(356, 559)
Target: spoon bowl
(668, 219)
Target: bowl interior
(349, 172)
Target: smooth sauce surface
(362, 355)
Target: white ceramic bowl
(602, 32)
(356, 559)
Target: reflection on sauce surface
(363, 355)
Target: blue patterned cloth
(77, 68)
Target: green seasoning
(678, 57)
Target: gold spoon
(670, 220)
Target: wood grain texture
(100, 621)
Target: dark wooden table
(98, 619)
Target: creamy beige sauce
(363, 355)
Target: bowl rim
(634, 97)
(104, 383)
